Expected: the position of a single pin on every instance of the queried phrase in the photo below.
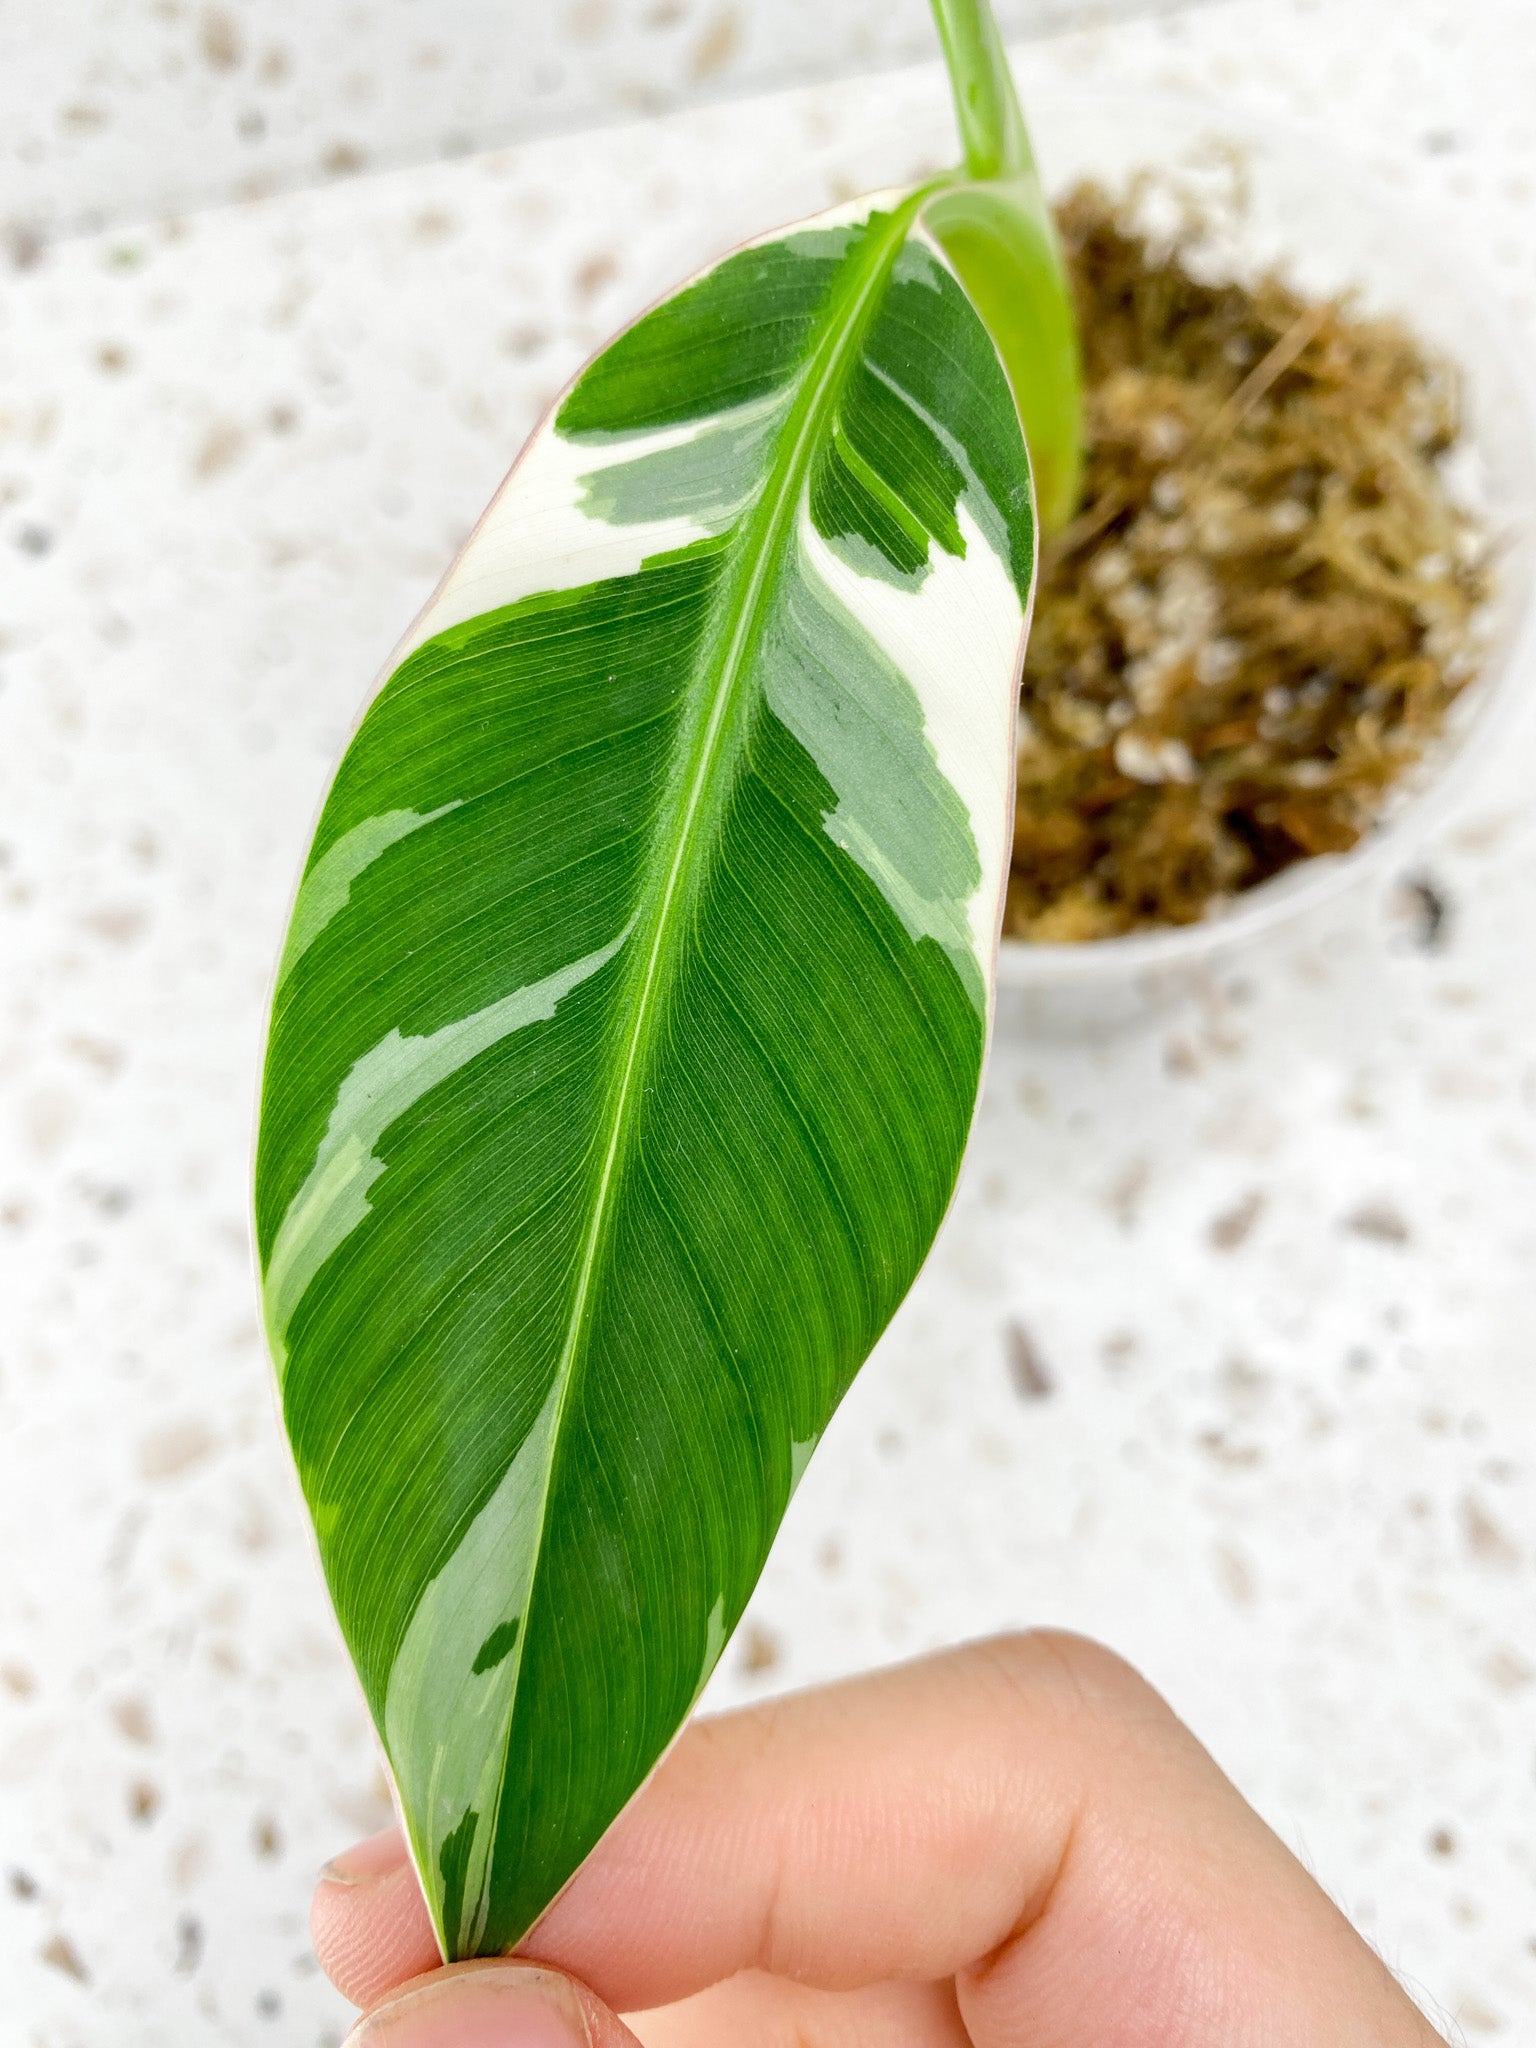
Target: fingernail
(379, 1856)
(495, 2005)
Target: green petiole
(996, 228)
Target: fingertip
(499, 2004)
(369, 1922)
(376, 1856)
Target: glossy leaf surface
(631, 1022)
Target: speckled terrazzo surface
(112, 110)
(1226, 1355)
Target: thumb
(492, 2005)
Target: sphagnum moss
(1263, 613)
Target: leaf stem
(992, 130)
(995, 225)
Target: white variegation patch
(444, 1721)
(709, 471)
(715, 1634)
(380, 1088)
(800, 1455)
(538, 535)
(327, 888)
(958, 638)
(848, 213)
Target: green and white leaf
(631, 1021)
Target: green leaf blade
(631, 1023)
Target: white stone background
(1292, 1476)
(114, 110)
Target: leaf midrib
(758, 547)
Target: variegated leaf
(631, 1021)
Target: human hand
(1013, 1845)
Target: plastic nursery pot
(1325, 224)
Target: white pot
(1328, 226)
